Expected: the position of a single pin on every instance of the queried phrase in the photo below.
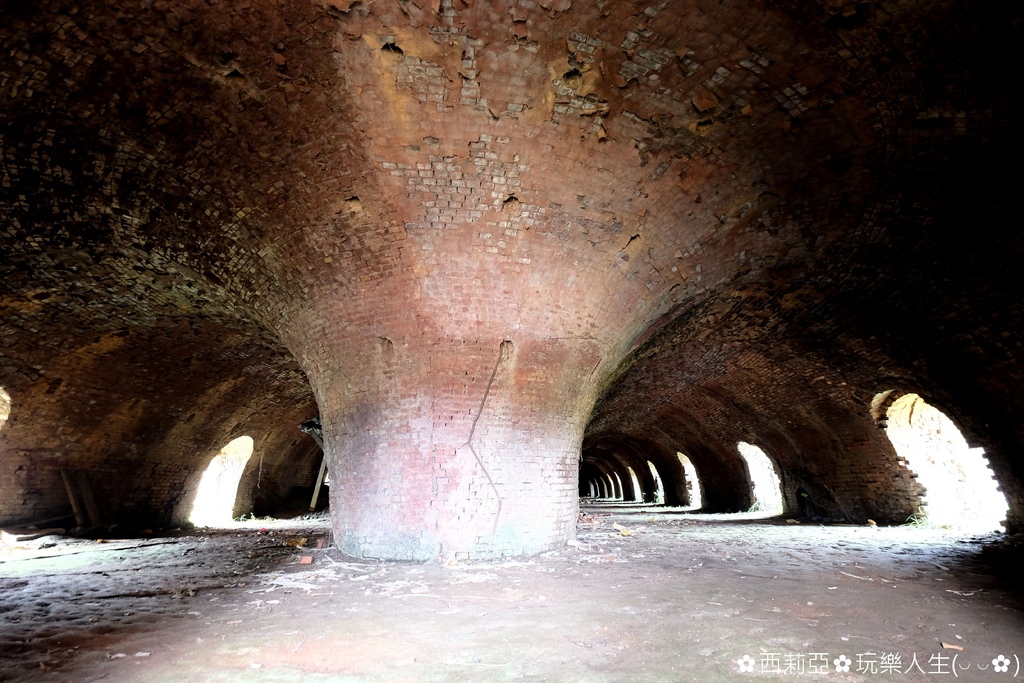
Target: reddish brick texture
(493, 242)
(457, 449)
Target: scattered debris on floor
(207, 604)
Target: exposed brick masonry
(453, 228)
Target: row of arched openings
(766, 493)
(960, 488)
(961, 491)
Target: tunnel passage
(477, 237)
(596, 481)
(647, 475)
(138, 408)
(670, 478)
(834, 459)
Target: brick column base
(459, 450)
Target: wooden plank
(88, 500)
(19, 535)
(319, 480)
(76, 504)
(40, 523)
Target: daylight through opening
(659, 492)
(960, 489)
(215, 498)
(764, 480)
(637, 491)
(692, 482)
(5, 407)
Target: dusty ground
(682, 598)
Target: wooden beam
(88, 500)
(319, 480)
(76, 504)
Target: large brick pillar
(454, 448)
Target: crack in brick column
(504, 352)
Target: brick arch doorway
(961, 491)
(218, 488)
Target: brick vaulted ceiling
(465, 231)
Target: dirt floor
(662, 596)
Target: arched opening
(637, 491)
(5, 407)
(960, 490)
(692, 482)
(590, 476)
(215, 497)
(764, 479)
(619, 493)
(659, 488)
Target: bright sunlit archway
(637, 491)
(659, 492)
(5, 407)
(764, 479)
(620, 493)
(960, 490)
(215, 498)
(692, 482)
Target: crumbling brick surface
(449, 224)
